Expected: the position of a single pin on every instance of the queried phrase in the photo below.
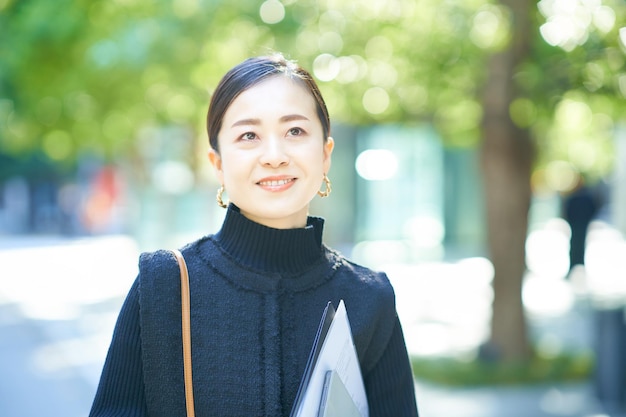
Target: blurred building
(400, 196)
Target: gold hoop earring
(218, 198)
(328, 189)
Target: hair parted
(251, 72)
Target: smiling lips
(276, 184)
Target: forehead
(272, 94)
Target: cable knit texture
(257, 295)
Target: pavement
(59, 299)
(549, 400)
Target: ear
(329, 145)
(216, 161)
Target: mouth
(276, 183)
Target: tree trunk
(507, 156)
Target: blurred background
(480, 161)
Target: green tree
(507, 156)
(530, 84)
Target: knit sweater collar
(267, 249)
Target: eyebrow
(256, 122)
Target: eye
(248, 136)
(295, 131)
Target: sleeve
(389, 385)
(120, 392)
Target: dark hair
(251, 72)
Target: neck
(268, 249)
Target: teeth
(275, 183)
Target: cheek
(235, 166)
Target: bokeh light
(379, 47)
(376, 164)
(330, 42)
(173, 177)
(185, 9)
(272, 12)
(605, 262)
(569, 22)
(351, 69)
(561, 176)
(326, 67)
(490, 27)
(58, 145)
(376, 100)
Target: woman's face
(272, 153)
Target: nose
(274, 152)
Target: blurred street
(466, 135)
(59, 299)
(58, 304)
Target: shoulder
(159, 270)
(155, 265)
(158, 284)
(364, 279)
(370, 302)
(151, 260)
(162, 263)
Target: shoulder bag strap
(186, 326)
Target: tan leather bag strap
(186, 323)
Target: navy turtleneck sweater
(267, 249)
(257, 295)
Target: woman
(259, 285)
